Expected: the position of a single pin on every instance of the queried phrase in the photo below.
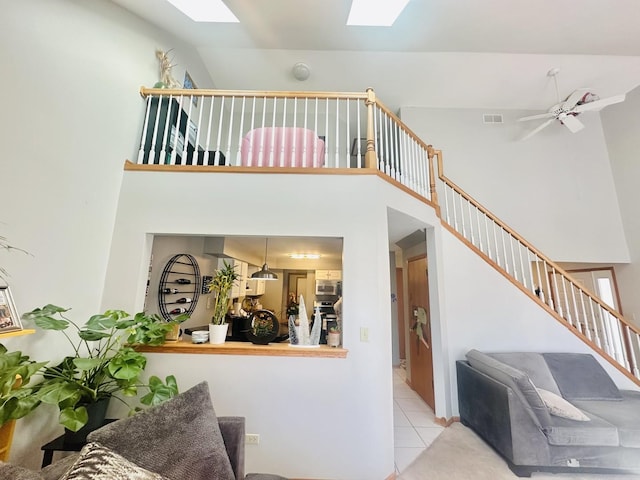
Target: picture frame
(9, 318)
(190, 85)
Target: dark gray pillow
(99, 463)
(179, 438)
(579, 376)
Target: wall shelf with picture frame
(10, 325)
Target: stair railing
(589, 317)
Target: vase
(333, 339)
(174, 334)
(218, 333)
(97, 413)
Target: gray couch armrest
(232, 429)
(14, 472)
(497, 414)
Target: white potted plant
(220, 286)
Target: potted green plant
(16, 393)
(221, 285)
(104, 364)
(333, 336)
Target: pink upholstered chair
(282, 147)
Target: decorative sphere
(159, 85)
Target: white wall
(556, 188)
(307, 410)
(621, 124)
(72, 114)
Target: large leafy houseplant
(221, 285)
(17, 398)
(104, 365)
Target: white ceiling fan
(581, 100)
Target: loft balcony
(301, 132)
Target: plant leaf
(55, 392)
(50, 323)
(86, 363)
(101, 322)
(74, 419)
(127, 364)
(92, 335)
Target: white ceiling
(487, 54)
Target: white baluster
(154, 138)
(143, 138)
(596, 329)
(634, 345)
(272, 152)
(316, 160)
(232, 115)
(219, 135)
(240, 133)
(207, 145)
(587, 327)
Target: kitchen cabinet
(255, 286)
(328, 274)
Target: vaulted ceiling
(439, 53)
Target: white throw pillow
(559, 407)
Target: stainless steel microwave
(328, 287)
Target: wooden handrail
(538, 253)
(144, 92)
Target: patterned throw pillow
(99, 463)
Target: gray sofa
(557, 412)
(177, 440)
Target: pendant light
(265, 273)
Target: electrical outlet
(364, 334)
(252, 439)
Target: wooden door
(420, 346)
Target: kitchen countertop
(245, 348)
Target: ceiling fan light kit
(580, 100)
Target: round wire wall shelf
(179, 287)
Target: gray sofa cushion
(179, 438)
(517, 380)
(623, 414)
(99, 463)
(534, 365)
(580, 377)
(597, 432)
(13, 472)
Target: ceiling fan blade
(571, 122)
(536, 117)
(574, 98)
(598, 104)
(538, 128)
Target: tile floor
(414, 426)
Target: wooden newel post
(370, 160)
(432, 179)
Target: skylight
(375, 13)
(209, 11)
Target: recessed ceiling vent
(492, 118)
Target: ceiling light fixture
(209, 11)
(375, 13)
(264, 273)
(301, 256)
(301, 71)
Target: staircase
(588, 317)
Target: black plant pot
(97, 413)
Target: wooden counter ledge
(245, 348)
